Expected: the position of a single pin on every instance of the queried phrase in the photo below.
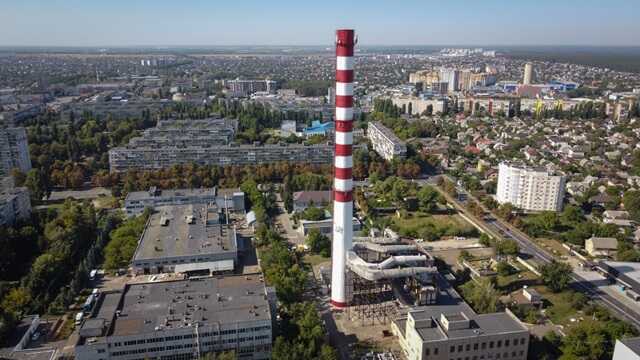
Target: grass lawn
(513, 282)
(105, 202)
(562, 307)
(553, 246)
(446, 225)
(314, 260)
(67, 327)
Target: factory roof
(633, 344)
(183, 230)
(150, 307)
(154, 192)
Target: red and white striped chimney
(343, 163)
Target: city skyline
(163, 23)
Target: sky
(313, 22)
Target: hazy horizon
(200, 23)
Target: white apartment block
(530, 189)
(14, 151)
(15, 205)
(385, 142)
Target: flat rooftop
(168, 233)
(143, 195)
(452, 306)
(628, 272)
(633, 344)
(388, 133)
(167, 305)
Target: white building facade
(385, 142)
(530, 189)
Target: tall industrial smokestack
(343, 163)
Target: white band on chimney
(343, 184)
(344, 89)
(344, 162)
(344, 114)
(344, 138)
(344, 63)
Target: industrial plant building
(184, 319)
(225, 199)
(450, 329)
(185, 239)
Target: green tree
(507, 247)
(428, 199)
(482, 295)
(38, 185)
(319, 243)
(631, 201)
(123, 242)
(556, 275)
(313, 213)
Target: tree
(505, 211)
(631, 201)
(504, 269)
(313, 213)
(586, 340)
(16, 300)
(507, 247)
(319, 243)
(123, 242)
(482, 295)
(302, 335)
(428, 198)
(556, 275)
(474, 208)
(37, 184)
(18, 177)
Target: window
(452, 349)
(490, 344)
(468, 347)
(427, 352)
(475, 346)
(506, 343)
(499, 343)
(484, 345)
(459, 348)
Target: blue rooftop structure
(318, 128)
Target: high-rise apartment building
(450, 76)
(530, 189)
(528, 74)
(14, 151)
